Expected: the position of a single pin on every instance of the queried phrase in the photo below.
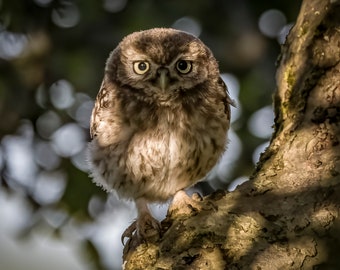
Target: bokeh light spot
(48, 123)
(114, 5)
(45, 156)
(189, 25)
(281, 38)
(261, 121)
(11, 45)
(68, 140)
(258, 151)
(49, 187)
(19, 160)
(224, 167)
(66, 16)
(96, 206)
(271, 22)
(62, 94)
(80, 160)
(15, 212)
(81, 109)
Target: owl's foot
(145, 229)
(182, 204)
(148, 228)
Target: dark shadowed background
(52, 56)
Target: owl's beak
(163, 78)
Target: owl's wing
(228, 101)
(104, 101)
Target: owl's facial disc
(163, 78)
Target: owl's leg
(144, 228)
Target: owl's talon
(129, 231)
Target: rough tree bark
(287, 215)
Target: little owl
(160, 120)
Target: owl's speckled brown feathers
(161, 117)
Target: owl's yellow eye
(184, 66)
(141, 67)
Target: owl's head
(160, 64)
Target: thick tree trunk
(287, 215)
